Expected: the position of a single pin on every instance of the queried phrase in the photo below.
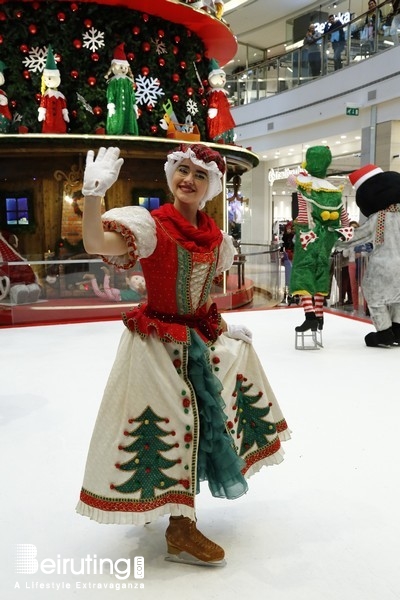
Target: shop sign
(278, 174)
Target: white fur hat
(204, 157)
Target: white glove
(42, 113)
(111, 109)
(240, 332)
(101, 173)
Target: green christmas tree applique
(148, 462)
(252, 426)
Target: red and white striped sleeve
(302, 218)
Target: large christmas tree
(167, 60)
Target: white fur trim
(119, 61)
(51, 72)
(367, 176)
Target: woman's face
(189, 183)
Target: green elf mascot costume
(321, 220)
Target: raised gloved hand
(101, 172)
(240, 332)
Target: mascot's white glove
(101, 173)
(239, 332)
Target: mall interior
(323, 524)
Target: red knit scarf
(203, 238)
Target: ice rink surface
(322, 525)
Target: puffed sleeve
(137, 226)
(227, 253)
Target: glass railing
(286, 71)
(254, 280)
(45, 290)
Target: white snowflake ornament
(36, 59)
(93, 39)
(148, 90)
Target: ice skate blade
(188, 559)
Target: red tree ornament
(175, 98)
(95, 57)
(61, 17)
(135, 30)
(145, 17)
(74, 74)
(161, 62)
(175, 77)
(32, 29)
(92, 81)
(77, 44)
(97, 110)
(74, 7)
(87, 23)
(145, 71)
(146, 47)
(3, 16)
(26, 75)
(24, 49)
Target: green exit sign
(352, 111)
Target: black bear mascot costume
(378, 197)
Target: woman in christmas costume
(53, 112)
(322, 219)
(187, 399)
(122, 109)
